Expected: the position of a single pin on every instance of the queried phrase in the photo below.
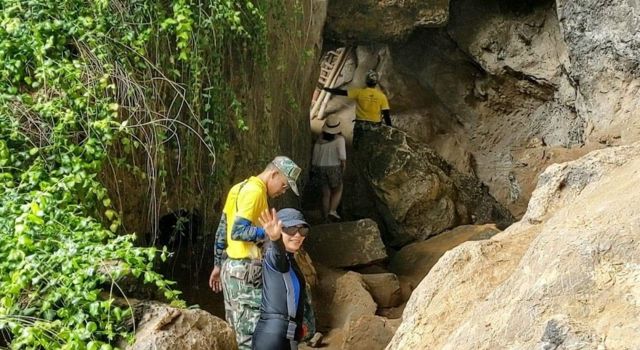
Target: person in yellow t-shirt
(237, 268)
(372, 105)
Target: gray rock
(603, 40)
(346, 244)
(369, 20)
(419, 193)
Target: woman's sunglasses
(291, 231)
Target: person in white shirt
(330, 162)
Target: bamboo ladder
(329, 73)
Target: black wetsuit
(277, 329)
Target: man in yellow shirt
(239, 275)
(371, 105)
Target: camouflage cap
(289, 169)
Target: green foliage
(85, 83)
(182, 23)
(228, 31)
(58, 117)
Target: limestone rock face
(505, 89)
(419, 193)
(346, 244)
(603, 40)
(162, 327)
(566, 277)
(386, 20)
(491, 82)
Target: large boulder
(386, 20)
(419, 193)
(369, 333)
(346, 244)
(414, 261)
(384, 288)
(343, 296)
(162, 327)
(565, 277)
(351, 299)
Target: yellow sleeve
(353, 93)
(248, 205)
(384, 103)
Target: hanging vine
(87, 85)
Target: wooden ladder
(330, 69)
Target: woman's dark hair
(327, 136)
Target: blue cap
(291, 217)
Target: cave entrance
(191, 261)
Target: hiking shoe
(334, 215)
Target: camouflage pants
(241, 300)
